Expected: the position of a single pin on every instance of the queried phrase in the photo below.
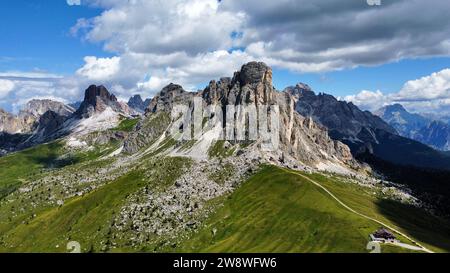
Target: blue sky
(36, 35)
(390, 51)
(40, 39)
(388, 77)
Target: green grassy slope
(427, 229)
(87, 219)
(274, 211)
(84, 219)
(17, 166)
(31, 163)
(277, 211)
(127, 125)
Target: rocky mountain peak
(171, 90)
(344, 120)
(407, 124)
(28, 118)
(97, 99)
(396, 107)
(165, 99)
(252, 84)
(255, 72)
(94, 92)
(301, 139)
(390, 109)
(37, 108)
(299, 90)
(433, 133)
(136, 103)
(135, 100)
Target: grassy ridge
(218, 150)
(276, 211)
(432, 231)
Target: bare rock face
(299, 90)
(28, 118)
(16, 124)
(306, 140)
(9, 123)
(167, 97)
(94, 93)
(32, 125)
(300, 138)
(255, 73)
(366, 134)
(252, 84)
(137, 104)
(436, 134)
(37, 108)
(157, 117)
(97, 99)
(49, 123)
(339, 117)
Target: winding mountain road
(420, 247)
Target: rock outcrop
(12, 124)
(301, 139)
(137, 104)
(167, 97)
(28, 118)
(364, 132)
(33, 124)
(97, 99)
(49, 123)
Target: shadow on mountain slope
(18, 166)
(49, 156)
(418, 223)
(429, 185)
(9, 142)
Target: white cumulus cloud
(166, 39)
(6, 86)
(366, 99)
(99, 69)
(190, 42)
(427, 94)
(73, 2)
(433, 87)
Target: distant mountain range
(38, 117)
(389, 134)
(433, 132)
(365, 132)
(372, 140)
(40, 121)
